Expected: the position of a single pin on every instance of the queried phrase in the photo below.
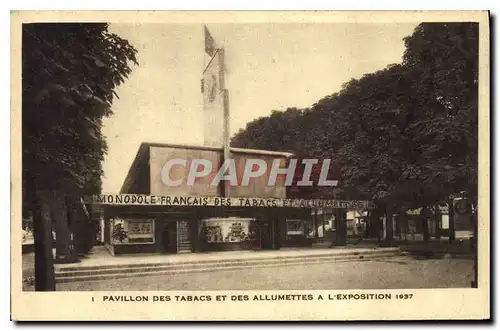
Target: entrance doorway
(184, 237)
(169, 238)
(268, 234)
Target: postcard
(250, 165)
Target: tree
(444, 60)
(69, 75)
(424, 148)
(404, 137)
(372, 116)
(281, 131)
(295, 131)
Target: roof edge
(212, 148)
(143, 148)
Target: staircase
(115, 270)
(185, 247)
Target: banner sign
(194, 201)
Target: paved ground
(391, 273)
(100, 256)
(28, 265)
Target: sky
(269, 67)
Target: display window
(132, 231)
(295, 228)
(228, 230)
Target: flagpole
(225, 117)
(211, 59)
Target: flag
(209, 43)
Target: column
(323, 223)
(340, 227)
(315, 223)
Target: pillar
(315, 222)
(341, 227)
(323, 223)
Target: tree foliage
(444, 60)
(405, 135)
(294, 131)
(70, 73)
(280, 131)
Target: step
(185, 247)
(215, 264)
(200, 270)
(210, 261)
(169, 270)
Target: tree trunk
(42, 232)
(398, 223)
(474, 282)
(378, 224)
(425, 228)
(367, 224)
(81, 226)
(63, 235)
(389, 230)
(437, 219)
(451, 222)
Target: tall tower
(215, 96)
(215, 99)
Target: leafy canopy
(70, 74)
(404, 135)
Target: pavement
(100, 257)
(416, 270)
(386, 273)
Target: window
(294, 227)
(140, 231)
(132, 231)
(227, 230)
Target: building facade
(201, 217)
